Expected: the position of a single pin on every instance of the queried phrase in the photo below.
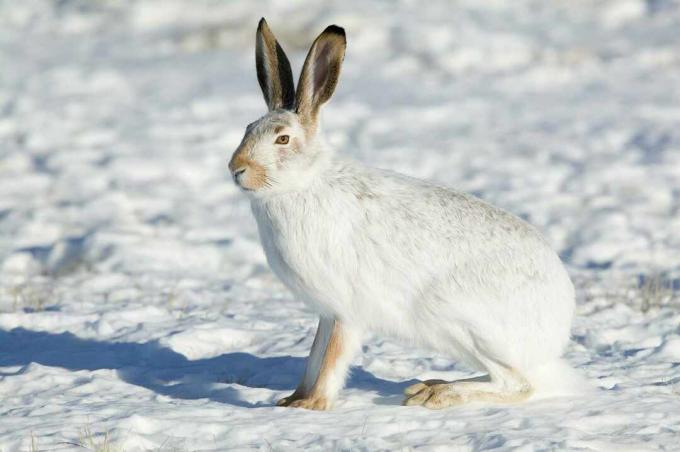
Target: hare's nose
(238, 172)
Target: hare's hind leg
(332, 351)
(502, 385)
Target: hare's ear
(273, 70)
(320, 74)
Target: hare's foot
(286, 401)
(437, 394)
(416, 388)
(311, 402)
(327, 365)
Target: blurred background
(119, 221)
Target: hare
(372, 250)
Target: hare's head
(280, 150)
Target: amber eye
(282, 139)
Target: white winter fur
(402, 257)
(386, 253)
(558, 379)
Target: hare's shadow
(160, 369)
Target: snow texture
(135, 299)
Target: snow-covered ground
(135, 300)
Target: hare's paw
(437, 394)
(286, 401)
(416, 388)
(433, 395)
(311, 402)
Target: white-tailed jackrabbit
(372, 250)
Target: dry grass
(34, 295)
(655, 291)
(87, 440)
(645, 293)
(97, 443)
(34, 443)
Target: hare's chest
(303, 251)
(286, 253)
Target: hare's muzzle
(237, 174)
(247, 174)
(238, 165)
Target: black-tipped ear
(273, 70)
(320, 74)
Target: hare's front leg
(332, 351)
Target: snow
(135, 299)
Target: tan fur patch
(437, 394)
(330, 358)
(316, 399)
(255, 176)
(295, 145)
(312, 403)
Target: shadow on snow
(164, 371)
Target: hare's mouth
(243, 187)
(238, 175)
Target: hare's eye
(282, 139)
